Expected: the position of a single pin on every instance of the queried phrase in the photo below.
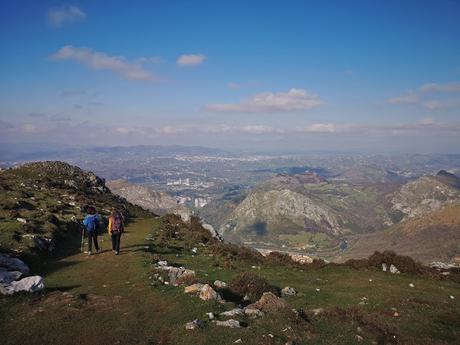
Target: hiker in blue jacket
(91, 223)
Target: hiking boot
(99, 250)
(117, 253)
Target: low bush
(251, 285)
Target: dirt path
(98, 299)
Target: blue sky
(272, 75)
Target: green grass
(123, 307)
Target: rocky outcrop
(269, 303)
(12, 277)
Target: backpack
(92, 223)
(117, 223)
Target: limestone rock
(393, 269)
(207, 293)
(194, 325)
(269, 303)
(252, 312)
(193, 289)
(288, 291)
(233, 312)
(6, 277)
(232, 323)
(13, 264)
(28, 284)
(220, 284)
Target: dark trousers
(92, 236)
(116, 236)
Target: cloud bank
(431, 96)
(268, 102)
(101, 61)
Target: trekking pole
(82, 238)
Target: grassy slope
(435, 236)
(123, 308)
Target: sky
(370, 76)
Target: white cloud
(102, 61)
(190, 60)
(427, 95)
(59, 16)
(442, 88)
(268, 102)
(409, 98)
(320, 128)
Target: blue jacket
(91, 222)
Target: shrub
(233, 252)
(251, 285)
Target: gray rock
(233, 312)
(253, 312)
(232, 323)
(220, 284)
(28, 284)
(7, 277)
(288, 291)
(384, 267)
(393, 269)
(13, 264)
(207, 293)
(194, 325)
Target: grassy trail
(98, 299)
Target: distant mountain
(368, 174)
(147, 198)
(306, 210)
(432, 237)
(424, 195)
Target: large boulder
(207, 293)
(269, 303)
(13, 264)
(28, 284)
(193, 289)
(6, 277)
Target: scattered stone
(359, 338)
(28, 284)
(394, 270)
(194, 325)
(370, 280)
(288, 291)
(194, 250)
(411, 285)
(451, 297)
(233, 312)
(396, 314)
(252, 312)
(269, 303)
(211, 316)
(238, 341)
(163, 263)
(232, 323)
(207, 293)
(21, 220)
(220, 284)
(193, 289)
(317, 311)
(384, 267)
(318, 289)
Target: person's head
(91, 210)
(114, 211)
